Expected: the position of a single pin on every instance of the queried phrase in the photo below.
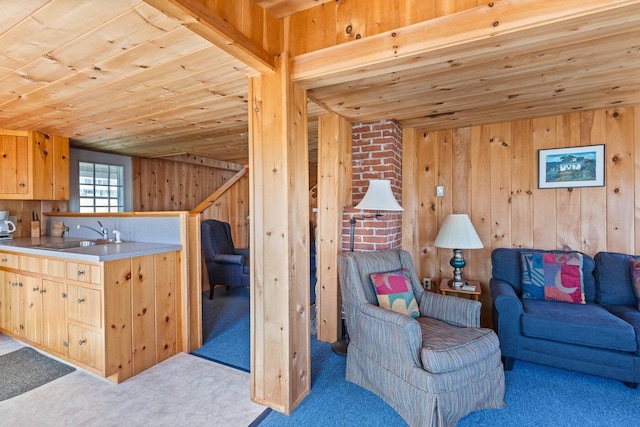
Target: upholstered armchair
(226, 265)
(433, 369)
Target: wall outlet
(426, 283)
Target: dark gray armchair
(226, 265)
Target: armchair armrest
(228, 259)
(242, 251)
(401, 333)
(454, 310)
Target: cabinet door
(4, 300)
(14, 165)
(13, 295)
(32, 308)
(86, 346)
(54, 316)
(84, 305)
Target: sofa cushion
(506, 266)
(549, 276)
(393, 289)
(614, 279)
(589, 324)
(447, 347)
(635, 277)
(629, 315)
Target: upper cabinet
(33, 166)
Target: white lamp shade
(379, 197)
(457, 232)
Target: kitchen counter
(97, 253)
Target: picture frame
(571, 167)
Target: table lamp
(457, 233)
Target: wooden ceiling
(131, 80)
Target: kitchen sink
(75, 244)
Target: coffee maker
(6, 227)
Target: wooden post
(279, 236)
(334, 193)
(410, 229)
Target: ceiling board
(131, 80)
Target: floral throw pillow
(635, 277)
(553, 276)
(394, 292)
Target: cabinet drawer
(53, 267)
(87, 273)
(30, 264)
(8, 260)
(86, 346)
(84, 306)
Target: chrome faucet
(104, 232)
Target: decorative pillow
(553, 276)
(635, 277)
(394, 292)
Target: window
(101, 187)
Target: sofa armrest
(228, 259)
(507, 309)
(450, 309)
(400, 333)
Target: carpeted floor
(536, 395)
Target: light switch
(440, 190)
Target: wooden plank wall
(490, 172)
(342, 21)
(165, 185)
(23, 209)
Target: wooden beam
(334, 193)
(279, 201)
(282, 8)
(410, 188)
(194, 159)
(218, 193)
(204, 22)
(366, 57)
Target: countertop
(97, 253)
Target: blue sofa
(600, 337)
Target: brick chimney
(376, 154)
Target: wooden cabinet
(54, 316)
(33, 166)
(63, 307)
(84, 305)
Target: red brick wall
(376, 154)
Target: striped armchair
(432, 370)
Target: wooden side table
(446, 288)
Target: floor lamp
(379, 197)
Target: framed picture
(571, 167)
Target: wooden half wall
(490, 172)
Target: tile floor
(184, 390)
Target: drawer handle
(4, 260)
(21, 185)
(82, 342)
(36, 289)
(80, 273)
(14, 284)
(80, 300)
(42, 291)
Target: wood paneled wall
(342, 21)
(490, 172)
(24, 209)
(165, 185)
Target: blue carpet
(536, 395)
(226, 328)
